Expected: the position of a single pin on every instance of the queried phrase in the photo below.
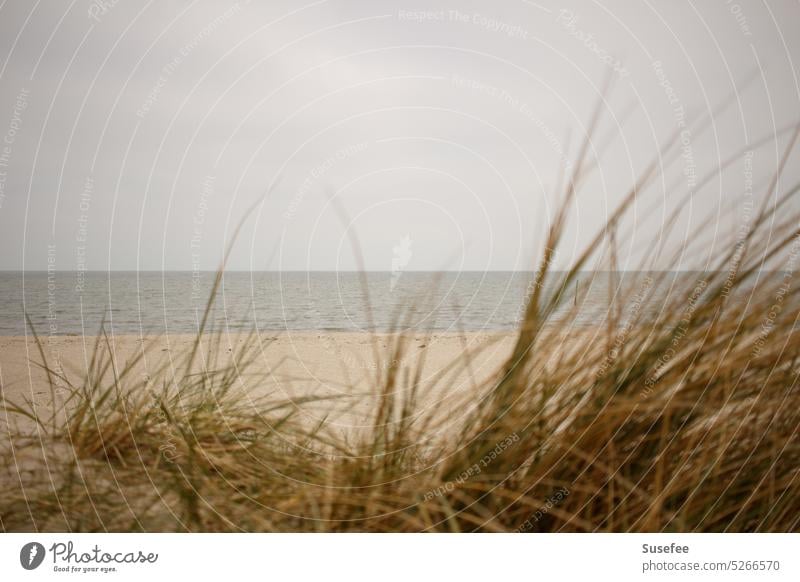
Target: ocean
(150, 302)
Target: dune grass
(676, 416)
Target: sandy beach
(342, 368)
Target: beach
(341, 369)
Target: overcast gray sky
(135, 135)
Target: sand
(287, 365)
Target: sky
(349, 134)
